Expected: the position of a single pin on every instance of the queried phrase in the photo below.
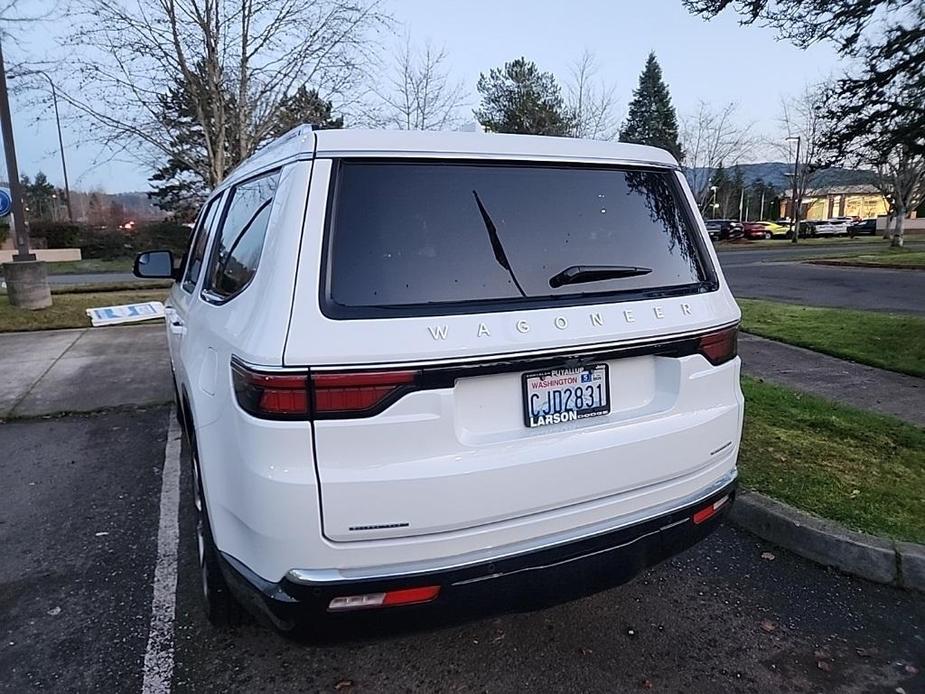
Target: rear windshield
(421, 238)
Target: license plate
(565, 395)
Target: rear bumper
(522, 582)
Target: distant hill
(774, 173)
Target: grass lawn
(902, 257)
(77, 267)
(866, 471)
(68, 310)
(887, 340)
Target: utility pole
(19, 224)
(794, 203)
(761, 207)
(741, 201)
(26, 278)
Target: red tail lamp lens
(721, 346)
(708, 512)
(411, 596)
(358, 391)
(269, 395)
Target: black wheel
(767, 235)
(222, 610)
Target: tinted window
(412, 234)
(239, 241)
(200, 241)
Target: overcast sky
(718, 61)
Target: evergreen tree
(38, 196)
(651, 119)
(518, 98)
(178, 187)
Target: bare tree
(419, 93)
(901, 180)
(234, 65)
(591, 102)
(801, 117)
(710, 137)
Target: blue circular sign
(6, 202)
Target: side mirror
(154, 265)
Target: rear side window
(200, 242)
(239, 241)
(419, 238)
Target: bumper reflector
(393, 598)
(709, 511)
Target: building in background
(863, 201)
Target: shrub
(164, 234)
(56, 234)
(111, 243)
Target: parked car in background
(723, 229)
(756, 230)
(432, 371)
(865, 226)
(822, 227)
(776, 228)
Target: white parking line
(158, 667)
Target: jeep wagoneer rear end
(466, 366)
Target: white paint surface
(158, 666)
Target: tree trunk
(896, 240)
(889, 223)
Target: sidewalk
(82, 370)
(863, 387)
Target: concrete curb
(828, 543)
(875, 266)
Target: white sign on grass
(127, 313)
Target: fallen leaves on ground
(769, 556)
(768, 626)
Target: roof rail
(288, 144)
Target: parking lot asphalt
(79, 538)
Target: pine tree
(178, 188)
(518, 98)
(651, 119)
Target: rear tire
(221, 607)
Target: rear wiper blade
(576, 274)
(496, 245)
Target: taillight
(721, 346)
(361, 392)
(300, 395)
(271, 395)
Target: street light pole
(54, 101)
(794, 203)
(20, 226)
(67, 189)
(713, 204)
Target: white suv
(449, 369)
